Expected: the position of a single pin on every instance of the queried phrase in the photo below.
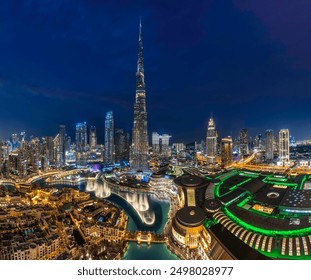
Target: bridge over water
(145, 237)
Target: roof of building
(191, 216)
(191, 181)
(233, 245)
(297, 199)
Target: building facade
(81, 137)
(61, 147)
(109, 138)
(122, 143)
(284, 145)
(93, 137)
(160, 144)
(211, 142)
(269, 144)
(243, 142)
(226, 151)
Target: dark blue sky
(248, 62)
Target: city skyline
(65, 73)
(78, 185)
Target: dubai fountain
(139, 201)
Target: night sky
(65, 61)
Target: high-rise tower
(81, 136)
(211, 142)
(160, 144)
(269, 144)
(109, 138)
(61, 149)
(226, 151)
(284, 145)
(93, 137)
(139, 149)
(244, 148)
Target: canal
(142, 251)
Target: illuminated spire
(140, 38)
(211, 123)
(140, 62)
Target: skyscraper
(243, 147)
(160, 144)
(211, 142)
(226, 151)
(49, 148)
(109, 138)
(122, 143)
(269, 144)
(93, 137)
(61, 147)
(139, 149)
(81, 137)
(284, 145)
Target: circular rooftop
(212, 205)
(191, 181)
(191, 216)
(157, 175)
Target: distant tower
(119, 144)
(49, 148)
(226, 151)
(284, 145)
(211, 142)
(109, 138)
(139, 149)
(61, 145)
(93, 137)
(244, 149)
(160, 144)
(122, 144)
(269, 144)
(81, 136)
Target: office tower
(93, 137)
(48, 148)
(61, 149)
(81, 137)
(122, 145)
(211, 142)
(179, 147)
(226, 151)
(191, 150)
(109, 138)
(15, 141)
(33, 151)
(269, 144)
(284, 145)
(160, 144)
(139, 149)
(68, 143)
(23, 140)
(155, 143)
(258, 142)
(243, 147)
(165, 145)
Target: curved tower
(139, 149)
